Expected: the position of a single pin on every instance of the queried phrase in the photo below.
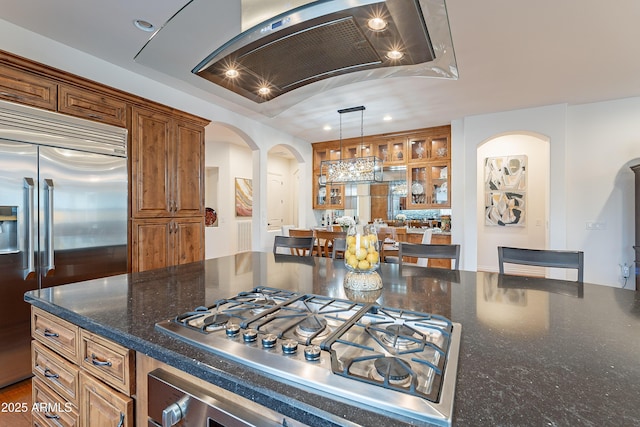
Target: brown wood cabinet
(92, 105)
(425, 155)
(101, 406)
(162, 242)
(167, 161)
(20, 86)
(87, 378)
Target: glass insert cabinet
(423, 154)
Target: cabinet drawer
(92, 105)
(53, 370)
(103, 406)
(26, 88)
(57, 334)
(108, 361)
(49, 409)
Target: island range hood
(319, 40)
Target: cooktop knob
(269, 341)
(232, 330)
(250, 335)
(289, 346)
(312, 352)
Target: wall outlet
(594, 225)
(625, 270)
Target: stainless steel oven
(174, 401)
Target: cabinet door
(188, 180)
(325, 151)
(101, 406)
(439, 173)
(150, 244)
(188, 239)
(26, 88)
(418, 187)
(150, 181)
(392, 151)
(92, 105)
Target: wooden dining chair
(542, 258)
(300, 246)
(415, 250)
(324, 241)
(300, 232)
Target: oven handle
(172, 414)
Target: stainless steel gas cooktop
(394, 360)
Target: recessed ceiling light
(394, 54)
(143, 25)
(264, 90)
(377, 24)
(232, 73)
(326, 127)
(387, 118)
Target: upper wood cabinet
(167, 164)
(425, 155)
(92, 105)
(26, 88)
(429, 146)
(392, 151)
(325, 151)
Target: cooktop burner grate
(306, 338)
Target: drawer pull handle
(49, 374)
(97, 362)
(121, 423)
(52, 416)
(48, 333)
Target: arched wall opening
(235, 163)
(530, 199)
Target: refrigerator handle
(50, 267)
(29, 235)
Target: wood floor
(14, 399)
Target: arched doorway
(228, 156)
(532, 230)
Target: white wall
(233, 161)
(591, 149)
(533, 232)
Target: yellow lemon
(352, 261)
(364, 265)
(373, 257)
(361, 254)
(351, 240)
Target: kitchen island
(568, 356)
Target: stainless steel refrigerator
(63, 214)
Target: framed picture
(244, 197)
(505, 190)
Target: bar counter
(568, 355)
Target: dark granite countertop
(565, 357)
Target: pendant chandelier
(356, 170)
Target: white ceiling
(510, 54)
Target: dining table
(533, 351)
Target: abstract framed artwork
(505, 190)
(244, 197)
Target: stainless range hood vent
(316, 41)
